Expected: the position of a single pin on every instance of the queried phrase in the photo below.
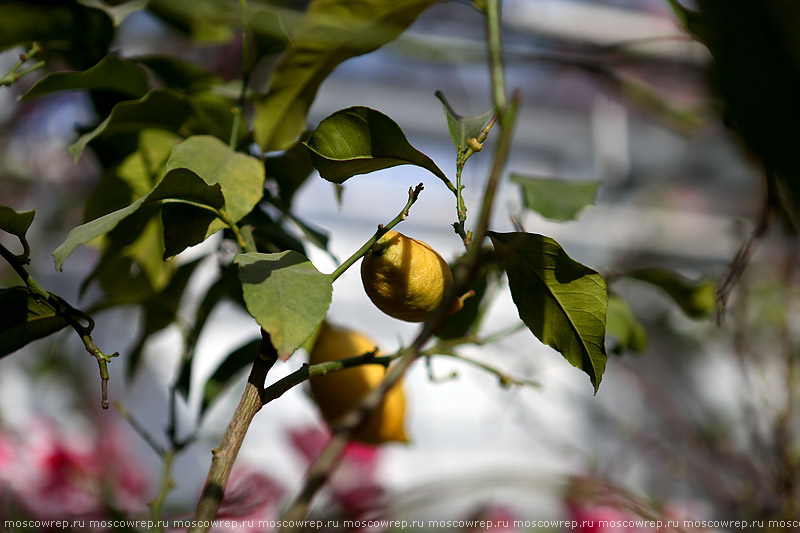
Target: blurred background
(699, 424)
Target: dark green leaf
(555, 198)
(330, 33)
(213, 114)
(269, 34)
(561, 301)
(462, 322)
(25, 318)
(179, 74)
(463, 128)
(289, 170)
(81, 34)
(696, 298)
(358, 140)
(17, 224)
(237, 360)
(112, 73)
(179, 184)
(118, 11)
(624, 327)
(226, 285)
(206, 21)
(286, 295)
(160, 108)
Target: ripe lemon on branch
(338, 392)
(406, 278)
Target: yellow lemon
(338, 392)
(405, 278)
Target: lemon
(338, 392)
(405, 278)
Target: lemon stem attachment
(413, 194)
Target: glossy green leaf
(17, 224)
(561, 301)
(240, 176)
(230, 367)
(286, 295)
(358, 140)
(25, 318)
(696, 298)
(112, 73)
(81, 34)
(178, 184)
(179, 74)
(160, 108)
(554, 198)
(462, 128)
(330, 33)
(623, 326)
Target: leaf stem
(77, 319)
(15, 74)
(413, 194)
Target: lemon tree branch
(413, 194)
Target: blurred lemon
(405, 278)
(338, 392)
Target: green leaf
(286, 295)
(561, 301)
(206, 21)
(213, 114)
(463, 128)
(358, 140)
(624, 327)
(221, 378)
(269, 33)
(81, 34)
(119, 11)
(159, 108)
(240, 176)
(17, 224)
(289, 170)
(464, 321)
(112, 73)
(179, 184)
(555, 198)
(696, 298)
(331, 32)
(179, 74)
(144, 168)
(25, 318)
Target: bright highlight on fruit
(338, 392)
(405, 278)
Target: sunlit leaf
(24, 317)
(17, 224)
(240, 176)
(286, 295)
(330, 33)
(462, 128)
(145, 167)
(561, 301)
(112, 73)
(696, 298)
(178, 184)
(160, 108)
(556, 199)
(358, 140)
(623, 326)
